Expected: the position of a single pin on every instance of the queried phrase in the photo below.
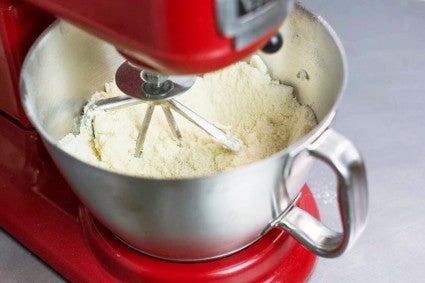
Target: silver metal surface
(219, 135)
(115, 103)
(351, 192)
(172, 122)
(149, 86)
(143, 131)
(260, 17)
(183, 219)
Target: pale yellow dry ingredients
(243, 99)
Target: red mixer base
(276, 257)
(39, 210)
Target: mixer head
(204, 36)
(177, 37)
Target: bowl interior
(67, 65)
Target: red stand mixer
(38, 207)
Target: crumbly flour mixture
(242, 99)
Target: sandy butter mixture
(243, 99)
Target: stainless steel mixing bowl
(204, 218)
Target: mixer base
(276, 257)
(39, 210)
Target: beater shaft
(219, 135)
(172, 122)
(116, 103)
(142, 133)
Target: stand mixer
(161, 40)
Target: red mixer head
(171, 36)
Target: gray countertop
(382, 113)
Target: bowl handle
(345, 160)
